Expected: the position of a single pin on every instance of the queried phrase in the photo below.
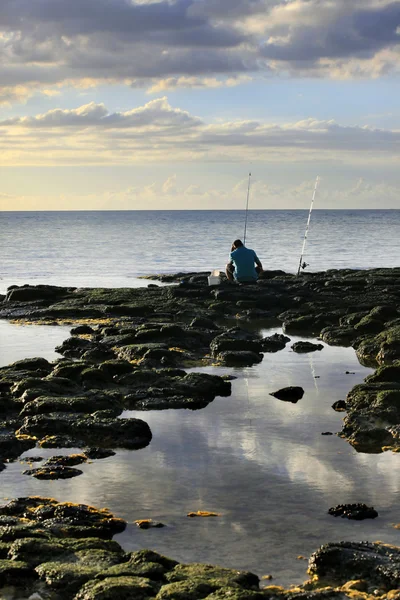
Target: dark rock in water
(275, 342)
(306, 347)
(11, 447)
(84, 430)
(148, 524)
(82, 329)
(29, 293)
(327, 433)
(239, 358)
(339, 406)
(98, 453)
(234, 340)
(377, 564)
(289, 394)
(53, 472)
(356, 512)
(66, 460)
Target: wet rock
(39, 517)
(74, 347)
(31, 364)
(98, 453)
(28, 293)
(381, 349)
(239, 358)
(81, 404)
(82, 329)
(84, 430)
(53, 472)
(327, 433)
(274, 342)
(289, 394)
(12, 446)
(236, 340)
(377, 564)
(301, 347)
(66, 460)
(355, 512)
(339, 406)
(148, 524)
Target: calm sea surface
(113, 248)
(261, 463)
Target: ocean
(108, 249)
(262, 464)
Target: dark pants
(230, 270)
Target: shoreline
(160, 331)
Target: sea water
(263, 465)
(113, 248)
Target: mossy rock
(194, 589)
(385, 373)
(14, 572)
(59, 575)
(118, 588)
(214, 575)
(149, 570)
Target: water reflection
(259, 462)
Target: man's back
(244, 258)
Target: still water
(262, 464)
(111, 249)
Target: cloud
(171, 193)
(192, 42)
(156, 131)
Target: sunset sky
(142, 104)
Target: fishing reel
(304, 265)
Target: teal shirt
(243, 259)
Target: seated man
(242, 264)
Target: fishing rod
(303, 265)
(247, 210)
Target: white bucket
(214, 278)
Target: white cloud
(156, 131)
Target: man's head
(237, 244)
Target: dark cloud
(359, 34)
(54, 41)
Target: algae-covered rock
(289, 394)
(214, 575)
(383, 348)
(118, 588)
(274, 342)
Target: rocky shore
(129, 349)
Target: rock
(203, 323)
(301, 347)
(356, 512)
(124, 587)
(98, 453)
(84, 430)
(236, 340)
(66, 460)
(339, 406)
(289, 394)
(31, 364)
(275, 342)
(148, 524)
(82, 329)
(377, 564)
(53, 472)
(239, 358)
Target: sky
(170, 104)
